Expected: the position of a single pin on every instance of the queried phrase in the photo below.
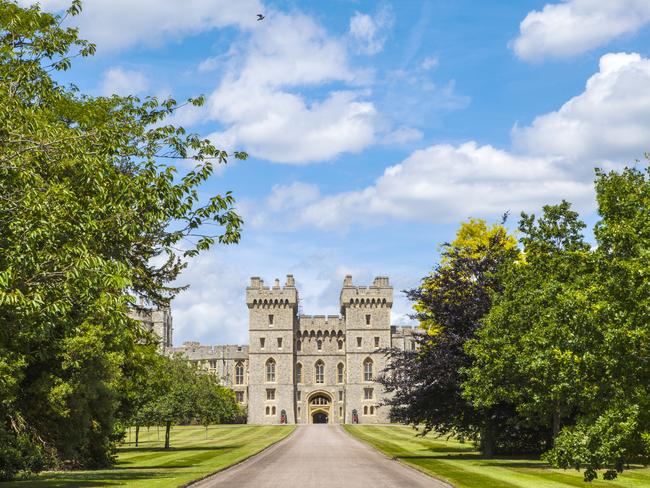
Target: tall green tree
(92, 213)
(614, 426)
(531, 349)
(425, 384)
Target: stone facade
(158, 321)
(308, 368)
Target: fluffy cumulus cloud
(552, 158)
(565, 29)
(259, 106)
(445, 183)
(120, 24)
(369, 32)
(608, 123)
(120, 81)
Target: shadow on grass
(176, 449)
(69, 479)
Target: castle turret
(273, 321)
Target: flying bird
(260, 17)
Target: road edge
(398, 460)
(205, 479)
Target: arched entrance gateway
(319, 407)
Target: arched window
(268, 410)
(270, 371)
(365, 409)
(272, 410)
(319, 345)
(340, 345)
(319, 400)
(320, 371)
(340, 369)
(367, 370)
(298, 373)
(372, 410)
(239, 374)
(298, 345)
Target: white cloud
(565, 29)
(553, 158)
(369, 32)
(608, 123)
(429, 63)
(120, 24)
(261, 113)
(445, 183)
(119, 81)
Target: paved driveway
(320, 456)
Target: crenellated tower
(366, 311)
(273, 322)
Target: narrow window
(319, 344)
(367, 394)
(298, 412)
(270, 393)
(340, 345)
(340, 395)
(239, 374)
(339, 372)
(268, 410)
(367, 370)
(358, 341)
(270, 371)
(298, 395)
(280, 342)
(262, 342)
(298, 345)
(273, 410)
(239, 396)
(372, 410)
(298, 373)
(340, 412)
(365, 409)
(368, 319)
(376, 342)
(270, 320)
(320, 372)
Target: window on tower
(270, 371)
(367, 319)
(367, 370)
(319, 345)
(320, 371)
(298, 373)
(340, 369)
(270, 320)
(279, 342)
(376, 342)
(262, 342)
(239, 374)
(359, 342)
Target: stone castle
(307, 368)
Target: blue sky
(374, 128)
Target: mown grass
(192, 456)
(462, 466)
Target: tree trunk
(557, 421)
(487, 441)
(168, 427)
(137, 433)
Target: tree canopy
(93, 215)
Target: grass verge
(463, 467)
(194, 454)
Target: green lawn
(191, 457)
(463, 467)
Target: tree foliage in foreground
(568, 339)
(91, 215)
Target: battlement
(404, 330)
(321, 322)
(380, 294)
(194, 350)
(258, 295)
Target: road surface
(317, 456)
